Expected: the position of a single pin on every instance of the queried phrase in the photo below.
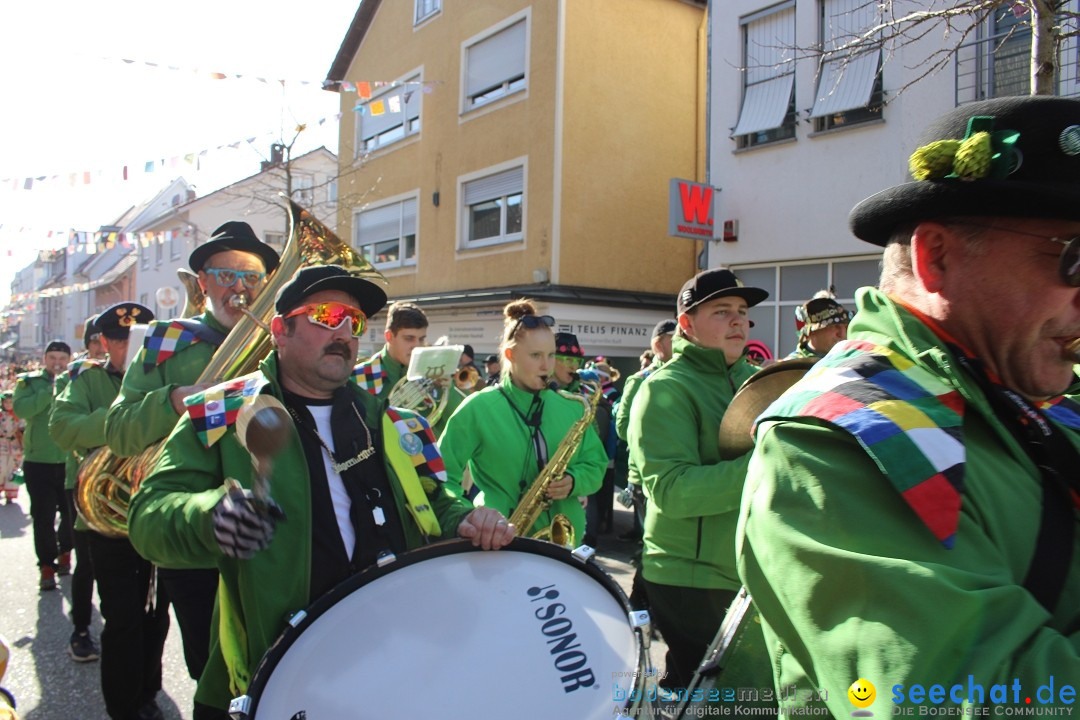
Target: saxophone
(535, 500)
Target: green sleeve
(622, 417)
(169, 522)
(453, 402)
(31, 398)
(459, 441)
(76, 425)
(667, 449)
(450, 508)
(852, 585)
(142, 413)
(588, 465)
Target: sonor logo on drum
(556, 628)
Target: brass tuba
(106, 482)
(535, 500)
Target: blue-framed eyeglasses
(227, 277)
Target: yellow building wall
(634, 98)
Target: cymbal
(756, 394)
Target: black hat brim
(199, 256)
(751, 295)
(369, 297)
(877, 217)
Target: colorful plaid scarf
(215, 409)
(77, 367)
(163, 340)
(369, 375)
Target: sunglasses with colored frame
(331, 315)
(571, 361)
(227, 277)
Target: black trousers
(134, 636)
(45, 483)
(688, 618)
(192, 594)
(82, 579)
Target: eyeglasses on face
(331, 315)
(1068, 262)
(227, 277)
(531, 322)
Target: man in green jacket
(135, 629)
(354, 484)
(233, 263)
(909, 520)
(692, 495)
(822, 322)
(43, 463)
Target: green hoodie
(693, 494)
(850, 581)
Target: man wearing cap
(693, 496)
(822, 322)
(91, 341)
(232, 264)
(493, 368)
(910, 509)
(135, 630)
(355, 483)
(43, 463)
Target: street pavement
(48, 685)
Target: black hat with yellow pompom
(1006, 157)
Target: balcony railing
(1000, 65)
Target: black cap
(115, 322)
(58, 346)
(491, 359)
(468, 351)
(233, 235)
(567, 344)
(820, 313)
(90, 331)
(664, 327)
(370, 298)
(719, 282)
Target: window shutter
(496, 59)
(509, 182)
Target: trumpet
(467, 380)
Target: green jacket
(380, 372)
(852, 584)
(488, 435)
(693, 495)
(622, 415)
(77, 423)
(32, 401)
(142, 413)
(170, 524)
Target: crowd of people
(906, 513)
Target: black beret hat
(567, 344)
(115, 322)
(233, 235)
(715, 283)
(58, 346)
(1032, 169)
(664, 327)
(90, 331)
(309, 280)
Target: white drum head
(470, 634)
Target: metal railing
(1000, 65)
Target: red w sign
(691, 209)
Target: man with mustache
(355, 483)
(688, 563)
(232, 263)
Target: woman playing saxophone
(504, 435)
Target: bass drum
(531, 630)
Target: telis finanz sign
(691, 207)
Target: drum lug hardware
(582, 553)
(239, 707)
(298, 617)
(385, 558)
(640, 619)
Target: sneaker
(63, 564)
(48, 579)
(81, 647)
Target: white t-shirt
(339, 496)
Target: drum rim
(455, 546)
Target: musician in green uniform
(232, 264)
(822, 322)
(134, 634)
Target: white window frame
(303, 190)
(469, 184)
(366, 246)
(513, 77)
(768, 87)
(848, 88)
(425, 10)
(406, 90)
(275, 240)
(175, 244)
(331, 191)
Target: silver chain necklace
(341, 467)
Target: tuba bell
(107, 482)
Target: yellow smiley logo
(862, 693)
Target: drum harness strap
(532, 424)
(410, 454)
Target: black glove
(242, 525)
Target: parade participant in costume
(43, 464)
(505, 434)
(910, 508)
(822, 322)
(233, 262)
(493, 368)
(11, 436)
(354, 482)
(92, 345)
(692, 495)
(136, 624)
(406, 329)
